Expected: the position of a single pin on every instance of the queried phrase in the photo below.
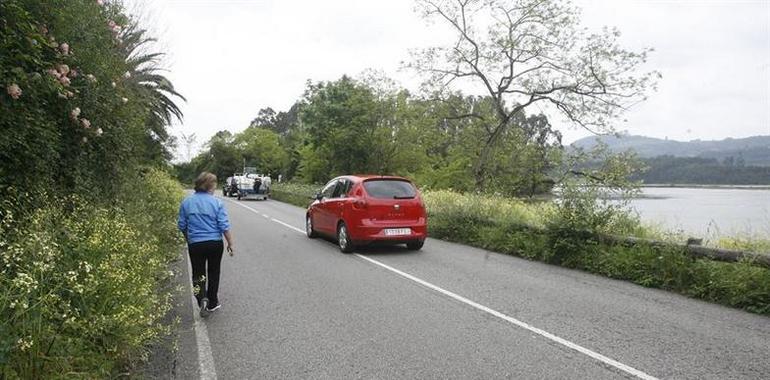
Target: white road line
(205, 358)
(289, 226)
(272, 219)
(595, 355)
(524, 325)
(244, 206)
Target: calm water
(703, 212)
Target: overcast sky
(231, 58)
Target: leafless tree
(526, 52)
(189, 142)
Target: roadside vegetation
(87, 206)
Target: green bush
(91, 105)
(87, 226)
(79, 282)
(297, 194)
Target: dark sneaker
(214, 308)
(205, 308)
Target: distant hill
(752, 151)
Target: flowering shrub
(86, 226)
(79, 102)
(79, 283)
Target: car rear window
(390, 189)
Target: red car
(361, 209)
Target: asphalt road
(298, 308)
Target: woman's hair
(205, 182)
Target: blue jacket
(203, 217)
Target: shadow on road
(377, 249)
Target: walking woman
(203, 220)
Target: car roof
(364, 177)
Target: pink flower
(73, 73)
(99, 131)
(75, 113)
(69, 94)
(91, 78)
(65, 48)
(100, 2)
(115, 28)
(14, 91)
(54, 73)
(63, 69)
(64, 81)
(85, 123)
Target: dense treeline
(86, 207)
(748, 151)
(357, 126)
(702, 171)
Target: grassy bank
(528, 230)
(80, 283)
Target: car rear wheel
(415, 245)
(309, 228)
(343, 239)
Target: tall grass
(80, 282)
(499, 209)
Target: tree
(225, 157)
(527, 52)
(525, 161)
(345, 126)
(261, 148)
(281, 122)
(188, 142)
(265, 118)
(155, 90)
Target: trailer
(251, 184)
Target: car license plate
(397, 231)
